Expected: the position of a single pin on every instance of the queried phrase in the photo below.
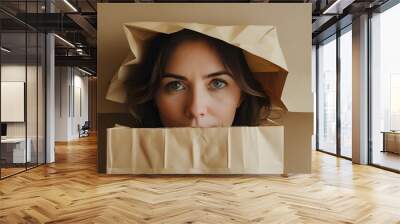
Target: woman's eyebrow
(172, 75)
(218, 74)
(181, 77)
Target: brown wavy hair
(144, 83)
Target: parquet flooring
(10, 171)
(71, 191)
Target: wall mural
(202, 98)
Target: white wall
(12, 73)
(62, 80)
(16, 73)
(12, 101)
(33, 126)
(70, 83)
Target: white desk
(18, 149)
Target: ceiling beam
(84, 24)
(84, 61)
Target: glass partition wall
(385, 89)
(334, 93)
(327, 95)
(22, 100)
(345, 62)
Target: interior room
(22, 102)
(191, 111)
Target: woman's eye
(175, 86)
(218, 84)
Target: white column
(360, 90)
(50, 100)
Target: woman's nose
(197, 105)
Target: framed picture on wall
(12, 101)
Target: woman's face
(196, 90)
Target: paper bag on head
(259, 43)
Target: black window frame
(333, 37)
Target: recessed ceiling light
(84, 71)
(64, 40)
(337, 7)
(5, 50)
(70, 5)
(328, 10)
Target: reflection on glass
(386, 89)
(346, 94)
(13, 85)
(327, 96)
(22, 91)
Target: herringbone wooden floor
(70, 191)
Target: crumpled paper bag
(227, 150)
(259, 43)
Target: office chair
(84, 130)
